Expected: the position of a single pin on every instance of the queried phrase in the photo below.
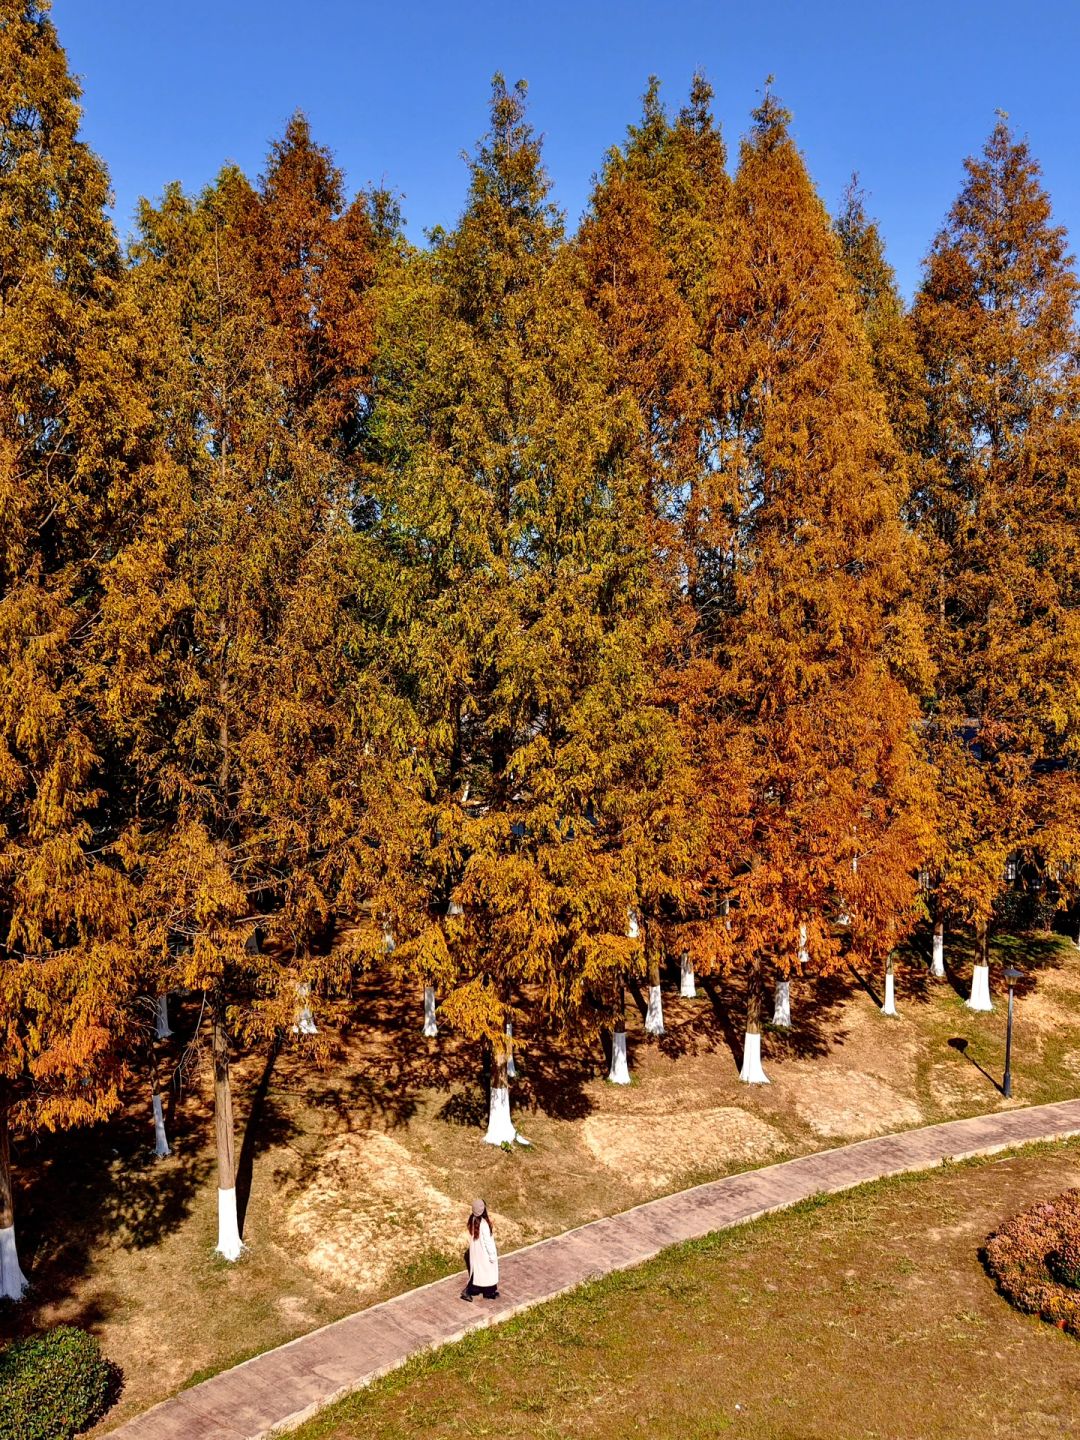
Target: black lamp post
(1012, 975)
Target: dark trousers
(489, 1292)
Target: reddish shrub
(1035, 1261)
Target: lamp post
(1012, 975)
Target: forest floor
(356, 1176)
(861, 1316)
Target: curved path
(280, 1389)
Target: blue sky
(899, 91)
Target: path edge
(287, 1424)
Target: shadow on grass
(962, 1046)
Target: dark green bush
(1035, 1260)
(1012, 911)
(53, 1386)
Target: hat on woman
(478, 1207)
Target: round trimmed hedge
(1035, 1261)
(53, 1386)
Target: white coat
(483, 1257)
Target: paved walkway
(276, 1391)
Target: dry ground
(359, 1173)
(866, 1316)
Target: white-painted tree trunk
(804, 949)
(844, 918)
(12, 1280)
(782, 1005)
(633, 927)
(161, 1018)
(500, 1129)
(305, 1021)
(389, 945)
(229, 1244)
(937, 964)
(431, 1029)
(687, 984)
(619, 1074)
(751, 1072)
(654, 1013)
(889, 1008)
(511, 1068)
(979, 999)
(161, 1143)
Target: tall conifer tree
(66, 405)
(647, 251)
(998, 511)
(894, 353)
(237, 679)
(510, 487)
(817, 787)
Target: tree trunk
(687, 984)
(161, 1142)
(305, 1020)
(782, 1005)
(161, 1018)
(431, 1028)
(752, 1073)
(654, 1014)
(229, 1243)
(619, 1074)
(500, 1129)
(12, 1279)
(979, 999)
(937, 965)
(889, 1007)
(511, 1068)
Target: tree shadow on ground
(103, 1187)
(400, 1064)
(1034, 953)
(815, 1004)
(261, 1131)
(553, 1082)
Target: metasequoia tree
(66, 407)
(647, 251)
(814, 777)
(894, 353)
(998, 513)
(233, 616)
(511, 490)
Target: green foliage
(53, 1386)
(527, 618)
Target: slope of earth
(357, 1168)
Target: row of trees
(513, 613)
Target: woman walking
(481, 1257)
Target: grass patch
(861, 1316)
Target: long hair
(475, 1222)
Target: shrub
(1035, 1261)
(52, 1386)
(1064, 1262)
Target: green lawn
(865, 1316)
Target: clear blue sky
(900, 90)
